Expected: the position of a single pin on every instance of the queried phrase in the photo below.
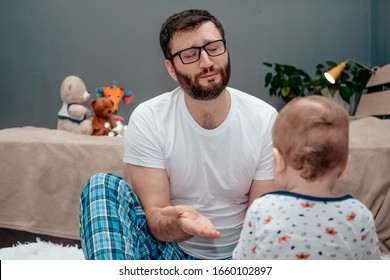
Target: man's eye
(189, 53)
(213, 49)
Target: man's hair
(312, 134)
(187, 20)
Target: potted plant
(348, 88)
(289, 82)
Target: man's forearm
(165, 228)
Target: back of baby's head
(312, 134)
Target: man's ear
(343, 171)
(170, 69)
(279, 162)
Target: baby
(305, 220)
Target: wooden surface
(9, 237)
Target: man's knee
(106, 184)
(105, 180)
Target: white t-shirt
(285, 225)
(210, 170)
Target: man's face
(194, 88)
(206, 78)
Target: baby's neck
(321, 187)
(312, 191)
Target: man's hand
(192, 222)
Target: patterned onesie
(285, 225)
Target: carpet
(41, 250)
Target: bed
(42, 173)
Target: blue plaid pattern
(113, 225)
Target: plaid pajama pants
(113, 224)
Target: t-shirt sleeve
(265, 168)
(142, 144)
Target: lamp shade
(333, 74)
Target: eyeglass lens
(193, 54)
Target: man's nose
(205, 60)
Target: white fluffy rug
(41, 250)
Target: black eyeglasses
(191, 55)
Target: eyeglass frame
(199, 51)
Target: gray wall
(43, 41)
(380, 30)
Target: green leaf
(346, 93)
(285, 91)
(268, 79)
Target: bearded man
(197, 157)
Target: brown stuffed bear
(102, 122)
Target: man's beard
(198, 92)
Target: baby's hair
(312, 134)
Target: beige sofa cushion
(368, 177)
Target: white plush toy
(119, 130)
(73, 115)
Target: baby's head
(312, 135)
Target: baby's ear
(344, 170)
(279, 162)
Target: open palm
(192, 221)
